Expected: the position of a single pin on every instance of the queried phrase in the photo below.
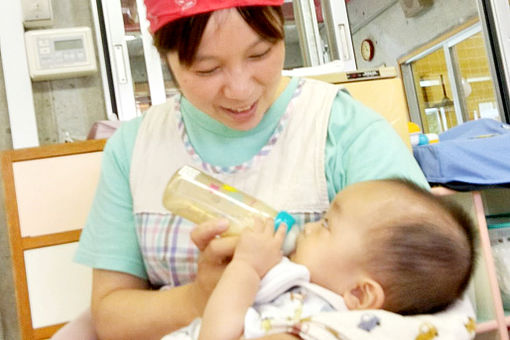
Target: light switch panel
(37, 13)
(413, 8)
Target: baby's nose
(310, 227)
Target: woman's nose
(237, 84)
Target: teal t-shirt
(361, 145)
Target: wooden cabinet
(48, 193)
(493, 321)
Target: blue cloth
(476, 153)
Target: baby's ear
(366, 294)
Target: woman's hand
(260, 247)
(258, 250)
(215, 253)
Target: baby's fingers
(262, 225)
(280, 233)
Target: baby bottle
(199, 197)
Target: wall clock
(367, 49)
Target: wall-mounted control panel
(60, 53)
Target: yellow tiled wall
(474, 68)
(430, 68)
(474, 64)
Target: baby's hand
(260, 247)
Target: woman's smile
(241, 114)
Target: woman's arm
(124, 307)
(361, 145)
(257, 251)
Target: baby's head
(390, 244)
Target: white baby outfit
(288, 303)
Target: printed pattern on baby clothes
(382, 325)
(289, 313)
(456, 323)
(312, 312)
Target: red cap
(161, 12)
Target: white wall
(71, 105)
(67, 105)
(394, 35)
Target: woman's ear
(366, 294)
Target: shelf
(486, 326)
(435, 82)
(491, 325)
(492, 318)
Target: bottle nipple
(289, 244)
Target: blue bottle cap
(284, 217)
(423, 139)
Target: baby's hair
(423, 262)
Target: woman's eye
(260, 55)
(206, 71)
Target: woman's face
(235, 76)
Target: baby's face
(333, 248)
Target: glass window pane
(134, 44)
(293, 54)
(479, 95)
(138, 67)
(434, 92)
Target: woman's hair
(184, 35)
(423, 263)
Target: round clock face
(367, 49)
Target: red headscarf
(161, 12)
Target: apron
(287, 173)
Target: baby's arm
(257, 251)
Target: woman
(293, 143)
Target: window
(450, 82)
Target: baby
(384, 244)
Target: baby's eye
(324, 223)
